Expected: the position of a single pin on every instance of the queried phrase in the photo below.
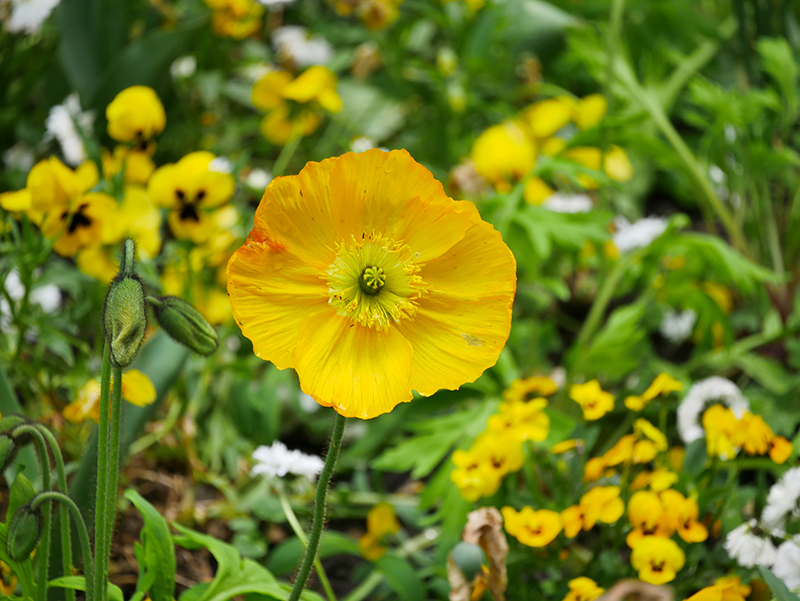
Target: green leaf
(776, 585)
(401, 576)
(22, 491)
(285, 558)
(157, 561)
(235, 575)
(766, 371)
(568, 231)
(421, 453)
(779, 62)
(368, 112)
(78, 583)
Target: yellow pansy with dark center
(89, 220)
(362, 275)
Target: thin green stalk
(320, 501)
(69, 506)
(101, 566)
(44, 543)
(113, 463)
(298, 531)
(287, 152)
(602, 299)
(66, 539)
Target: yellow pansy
(594, 402)
(536, 191)
(521, 420)
(647, 518)
(189, 188)
(527, 389)
(657, 559)
(662, 385)
(531, 527)
(644, 429)
(137, 164)
(236, 19)
(135, 115)
(504, 453)
(362, 275)
(594, 469)
(16, 201)
(719, 424)
(601, 504)
(583, 589)
(567, 445)
(381, 522)
(589, 111)
(721, 591)
(546, 117)
(617, 165)
(503, 154)
(378, 14)
(473, 476)
(572, 520)
(52, 184)
(689, 528)
(780, 449)
(753, 434)
(88, 220)
(553, 146)
(137, 389)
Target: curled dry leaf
(485, 529)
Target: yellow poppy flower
(589, 111)
(503, 153)
(236, 19)
(657, 559)
(137, 389)
(583, 589)
(546, 117)
(190, 189)
(135, 115)
(601, 504)
(362, 275)
(530, 527)
(594, 402)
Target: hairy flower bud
(124, 318)
(184, 324)
(24, 532)
(468, 558)
(11, 421)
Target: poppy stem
(320, 505)
(101, 558)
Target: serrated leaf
(568, 231)
(157, 563)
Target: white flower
(639, 234)
(362, 144)
(294, 43)
(48, 297)
(19, 157)
(258, 179)
(277, 460)
(787, 564)
(308, 404)
(568, 203)
(183, 67)
(256, 71)
(677, 326)
(220, 165)
(63, 123)
(28, 15)
(750, 548)
(714, 389)
(275, 3)
(782, 499)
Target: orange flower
(362, 275)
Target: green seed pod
(125, 318)
(24, 532)
(468, 558)
(8, 450)
(184, 324)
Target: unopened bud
(124, 318)
(185, 325)
(24, 532)
(9, 422)
(468, 558)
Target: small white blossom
(716, 174)
(750, 548)
(677, 326)
(183, 67)
(272, 4)
(28, 15)
(48, 297)
(278, 460)
(782, 499)
(295, 43)
(716, 389)
(639, 234)
(258, 179)
(308, 404)
(220, 165)
(19, 157)
(730, 133)
(787, 564)
(568, 203)
(258, 70)
(362, 144)
(65, 122)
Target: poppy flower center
(372, 281)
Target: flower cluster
(499, 450)
(507, 153)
